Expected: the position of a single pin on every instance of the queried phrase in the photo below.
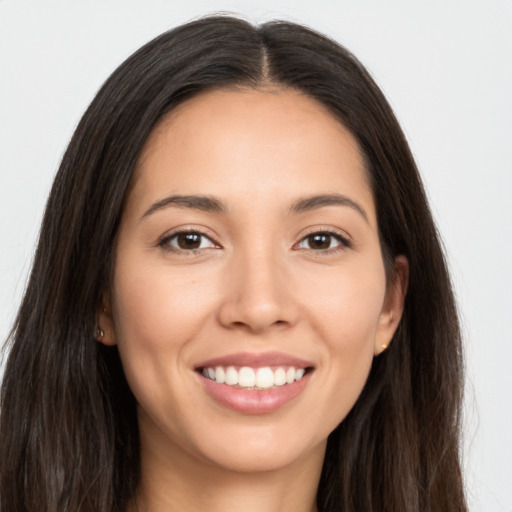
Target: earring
(100, 334)
(384, 347)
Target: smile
(251, 383)
(254, 378)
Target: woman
(238, 298)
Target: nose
(259, 294)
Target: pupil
(320, 241)
(189, 240)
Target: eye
(323, 241)
(187, 241)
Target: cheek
(346, 313)
(154, 306)
(346, 304)
(157, 314)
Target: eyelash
(344, 242)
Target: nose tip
(252, 314)
(258, 298)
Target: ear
(393, 307)
(106, 322)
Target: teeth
(231, 376)
(220, 375)
(264, 378)
(246, 377)
(279, 377)
(257, 378)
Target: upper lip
(256, 360)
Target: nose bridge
(258, 294)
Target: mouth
(254, 383)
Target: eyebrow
(213, 205)
(202, 203)
(314, 202)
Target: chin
(263, 452)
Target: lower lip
(254, 401)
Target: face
(249, 295)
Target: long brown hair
(68, 429)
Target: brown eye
(319, 241)
(323, 241)
(187, 241)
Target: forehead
(257, 143)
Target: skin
(256, 284)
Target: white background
(445, 66)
